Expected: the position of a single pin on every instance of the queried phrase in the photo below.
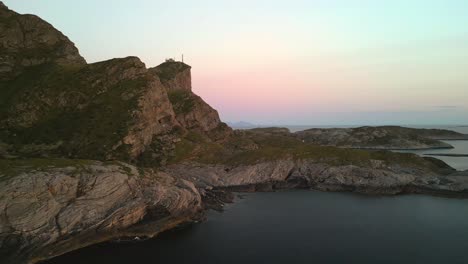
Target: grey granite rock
(54, 209)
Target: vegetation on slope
(182, 101)
(259, 145)
(169, 69)
(51, 103)
(384, 137)
(12, 167)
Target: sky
(294, 62)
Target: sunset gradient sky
(294, 62)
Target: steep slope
(27, 40)
(191, 111)
(62, 107)
(106, 110)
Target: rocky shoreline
(115, 150)
(76, 205)
(53, 209)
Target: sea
(311, 227)
(306, 227)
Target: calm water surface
(307, 227)
(460, 147)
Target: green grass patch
(276, 146)
(73, 104)
(10, 168)
(182, 101)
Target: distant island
(114, 150)
(241, 125)
(383, 137)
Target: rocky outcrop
(53, 104)
(116, 109)
(27, 40)
(385, 137)
(107, 110)
(219, 175)
(111, 110)
(378, 178)
(191, 111)
(269, 158)
(202, 117)
(174, 75)
(53, 206)
(76, 108)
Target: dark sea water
(307, 227)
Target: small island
(382, 137)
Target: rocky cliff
(191, 111)
(174, 75)
(69, 131)
(115, 109)
(384, 137)
(75, 107)
(53, 105)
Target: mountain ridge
(109, 150)
(147, 116)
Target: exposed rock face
(116, 109)
(174, 75)
(52, 210)
(379, 178)
(27, 40)
(120, 110)
(191, 111)
(218, 175)
(76, 108)
(385, 137)
(202, 116)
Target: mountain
(241, 125)
(60, 106)
(113, 150)
(27, 41)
